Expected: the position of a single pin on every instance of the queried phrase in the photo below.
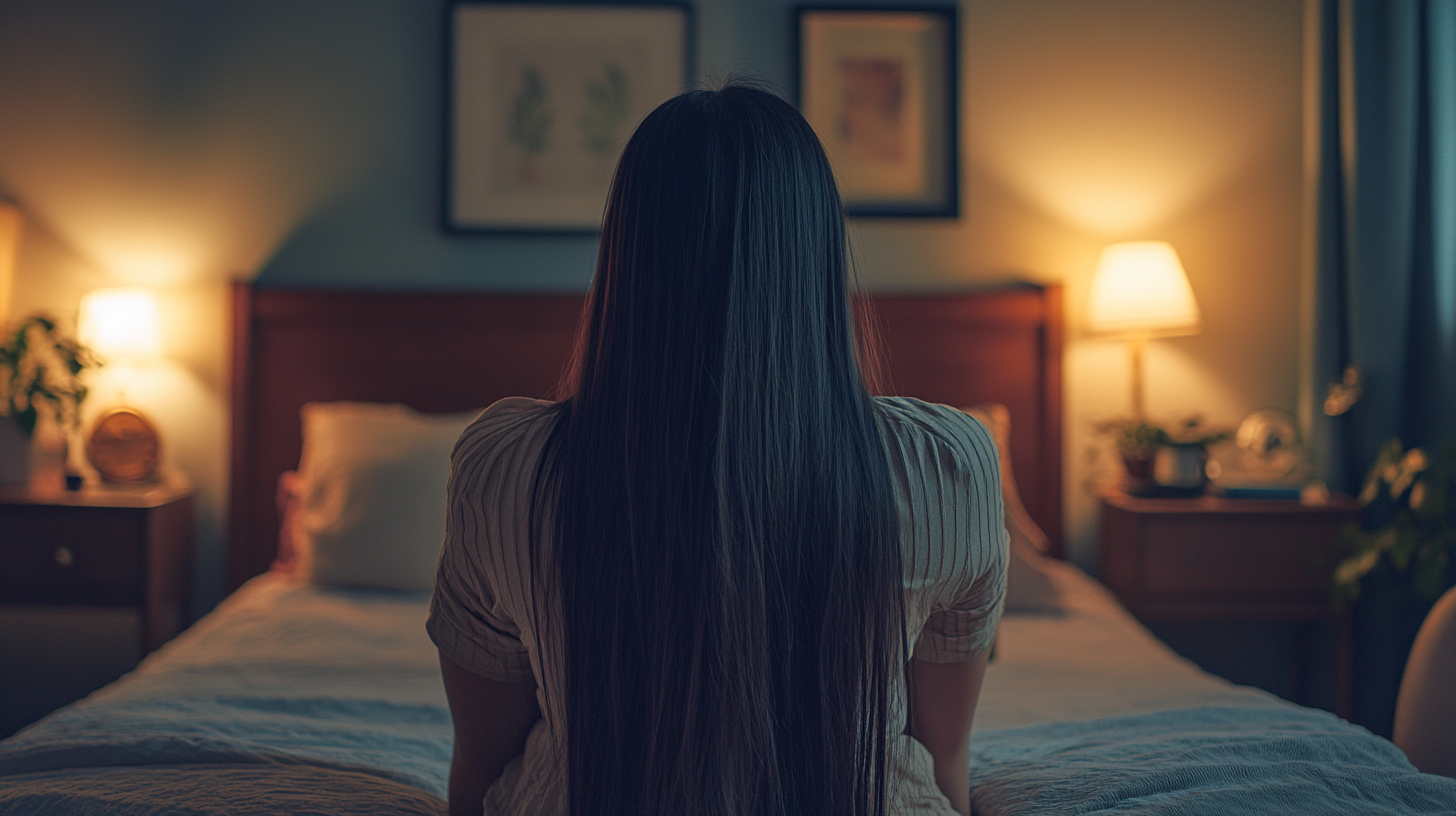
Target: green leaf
(530, 122)
(1349, 572)
(39, 369)
(1135, 438)
(1402, 549)
(609, 102)
(26, 419)
(1429, 574)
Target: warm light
(121, 322)
(1141, 289)
(9, 246)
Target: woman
(691, 586)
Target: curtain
(1385, 254)
(1384, 288)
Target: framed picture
(540, 99)
(879, 87)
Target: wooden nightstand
(1215, 559)
(102, 547)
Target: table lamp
(121, 325)
(1141, 292)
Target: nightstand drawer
(1272, 555)
(72, 555)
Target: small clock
(124, 446)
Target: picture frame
(540, 98)
(878, 84)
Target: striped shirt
(947, 492)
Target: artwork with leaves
(542, 98)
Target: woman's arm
(492, 720)
(944, 703)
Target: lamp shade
(121, 322)
(1141, 290)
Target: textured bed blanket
(1201, 762)
(292, 699)
(286, 700)
(194, 790)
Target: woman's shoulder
(508, 423)
(952, 429)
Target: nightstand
(1216, 559)
(102, 547)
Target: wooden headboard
(457, 352)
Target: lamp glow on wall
(1141, 292)
(121, 323)
(122, 326)
(9, 247)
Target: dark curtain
(1385, 267)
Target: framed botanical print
(879, 87)
(540, 99)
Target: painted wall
(181, 144)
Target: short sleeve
(957, 633)
(963, 491)
(467, 625)
(471, 622)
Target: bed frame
(457, 352)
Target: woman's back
(951, 534)
(707, 529)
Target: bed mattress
(285, 699)
(1091, 658)
(291, 698)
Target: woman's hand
(943, 704)
(492, 720)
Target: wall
(181, 144)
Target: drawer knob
(64, 556)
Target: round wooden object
(124, 447)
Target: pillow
(367, 506)
(1029, 583)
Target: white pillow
(371, 493)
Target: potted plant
(40, 379)
(1407, 525)
(1138, 442)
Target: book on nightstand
(1263, 490)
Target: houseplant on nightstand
(1138, 442)
(40, 368)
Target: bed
(311, 696)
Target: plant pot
(1138, 467)
(15, 454)
(1138, 475)
(1182, 466)
(1174, 472)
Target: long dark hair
(721, 514)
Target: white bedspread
(1094, 660)
(295, 699)
(276, 702)
(1266, 761)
